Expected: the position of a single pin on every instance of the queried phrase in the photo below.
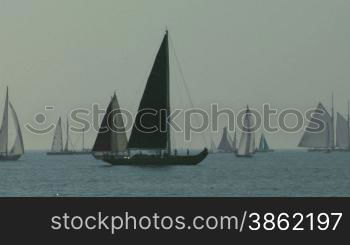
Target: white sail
(18, 147)
(119, 140)
(342, 132)
(246, 144)
(323, 137)
(66, 147)
(57, 144)
(212, 146)
(4, 128)
(252, 148)
(234, 143)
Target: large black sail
(150, 127)
(111, 136)
(103, 140)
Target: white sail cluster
(327, 137)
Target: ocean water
(280, 174)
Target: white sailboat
(246, 146)
(321, 139)
(212, 147)
(17, 149)
(57, 143)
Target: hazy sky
(71, 53)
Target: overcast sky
(71, 53)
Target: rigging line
(184, 82)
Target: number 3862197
(294, 222)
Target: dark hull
(342, 150)
(244, 156)
(248, 155)
(318, 150)
(4, 158)
(265, 151)
(155, 160)
(69, 153)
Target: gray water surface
(281, 173)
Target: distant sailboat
(151, 132)
(247, 141)
(263, 145)
(57, 143)
(111, 138)
(322, 139)
(343, 132)
(234, 143)
(213, 149)
(17, 149)
(225, 145)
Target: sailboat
(263, 145)
(234, 143)
(322, 139)
(17, 149)
(213, 149)
(247, 141)
(57, 143)
(151, 133)
(343, 132)
(225, 145)
(111, 138)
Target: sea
(284, 173)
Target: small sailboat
(150, 136)
(247, 141)
(213, 149)
(322, 139)
(263, 145)
(57, 143)
(234, 143)
(225, 145)
(17, 149)
(111, 138)
(343, 132)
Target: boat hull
(317, 150)
(265, 151)
(5, 158)
(155, 160)
(246, 156)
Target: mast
(67, 141)
(7, 118)
(349, 125)
(332, 127)
(168, 91)
(83, 139)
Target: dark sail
(150, 128)
(225, 144)
(111, 136)
(103, 140)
